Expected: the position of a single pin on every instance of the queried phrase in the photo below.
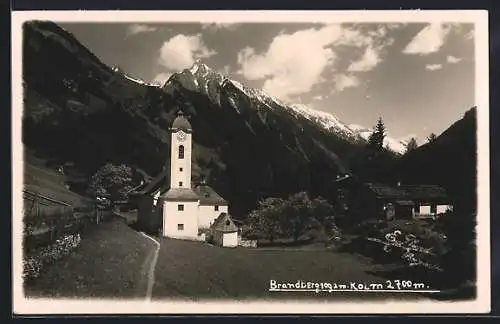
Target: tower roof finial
(181, 122)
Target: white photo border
(481, 304)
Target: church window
(180, 169)
(180, 227)
(181, 151)
(216, 208)
(180, 207)
(228, 223)
(180, 183)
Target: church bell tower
(180, 152)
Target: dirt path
(152, 267)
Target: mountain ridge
(327, 120)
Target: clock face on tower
(181, 136)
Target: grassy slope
(111, 262)
(194, 270)
(48, 182)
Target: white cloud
(318, 97)
(161, 78)
(393, 26)
(368, 61)
(428, 40)
(181, 51)
(344, 81)
(452, 59)
(139, 28)
(218, 26)
(226, 70)
(469, 35)
(433, 67)
(293, 63)
(375, 46)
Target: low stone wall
(247, 243)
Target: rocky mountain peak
(199, 68)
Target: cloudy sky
(418, 77)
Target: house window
(180, 227)
(181, 151)
(180, 183)
(216, 208)
(180, 207)
(180, 169)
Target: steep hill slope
(449, 161)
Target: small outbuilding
(224, 231)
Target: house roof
(180, 194)
(54, 196)
(425, 191)
(405, 202)
(208, 196)
(386, 191)
(157, 183)
(406, 193)
(224, 223)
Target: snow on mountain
(326, 120)
(396, 145)
(259, 95)
(139, 81)
(356, 127)
(203, 75)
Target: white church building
(185, 211)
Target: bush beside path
(111, 262)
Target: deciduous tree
(266, 219)
(115, 180)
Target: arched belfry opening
(181, 151)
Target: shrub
(460, 257)
(295, 217)
(34, 263)
(413, 243)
